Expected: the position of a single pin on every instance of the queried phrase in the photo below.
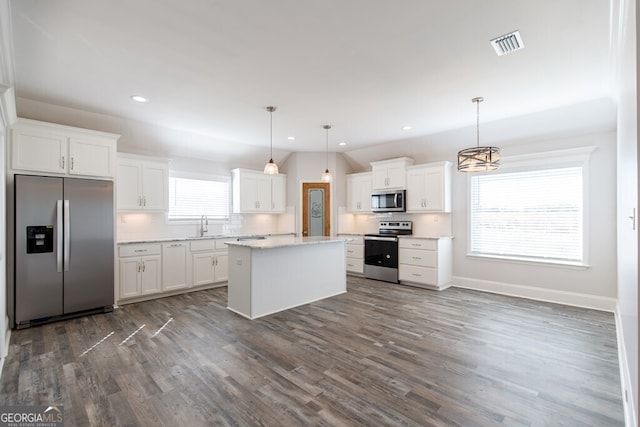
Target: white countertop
(278, 242)
(208, 237)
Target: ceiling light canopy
(478, 159)
(271, 168)
(326, 176)
(139, 98)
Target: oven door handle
(384, 239)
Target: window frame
(175, 173)
(574, 157)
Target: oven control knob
(388, 256)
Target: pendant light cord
(271, 134)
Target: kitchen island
(268, 276)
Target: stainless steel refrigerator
(64, 248)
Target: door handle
(67, 234)
(59, 236)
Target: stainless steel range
(381, 250)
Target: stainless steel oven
(381, 250)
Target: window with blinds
(536, 215)
(189, 198)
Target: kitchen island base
(266, 277)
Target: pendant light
(326, 176)
(478, 159)
(271, 168)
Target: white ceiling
(368, 67)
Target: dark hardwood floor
(381, 354)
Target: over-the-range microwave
(389, 201)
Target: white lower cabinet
(209, 262)
(174, 266)
(151, 270)
(139, 270)
(354, 249)
(425, 262)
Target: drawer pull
(416, 244)
(140, 250)
(175, 245)
(416, 274)
(415, 257)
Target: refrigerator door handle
(67, 233)
(59, 236)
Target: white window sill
(531, 261)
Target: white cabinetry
(390, 174)
(425, 262)
(257, 192)
(429, 187)
(355, 254)
(174, 266)
(142, 184)
(55, 149)
(139, 270)
(209, 261)
(359, 192)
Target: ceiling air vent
(507, 43)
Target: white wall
(7, 117)
(628, 201)
(592, 287)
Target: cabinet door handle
(62, 162)
(139, 200)
(138, 266)
(144, 200)
(71, 163)
(144, 267)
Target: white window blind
(191, 198)
(536, 215)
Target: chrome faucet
(204, 221)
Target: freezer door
(89, 244)
(38, 280)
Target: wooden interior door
(316, 212)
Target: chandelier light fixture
(326, 176)
(478, 159)
(271, 168)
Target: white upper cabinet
(62, 150)
(429, 187)
(142, 184)
(257, 192)
(359, 192)
(390, 174)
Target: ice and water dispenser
(39, 239)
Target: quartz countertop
(284, 241)
(207, 237)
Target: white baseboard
(538, 294)
(625, 377)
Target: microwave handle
(395, 200)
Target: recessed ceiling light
(291, 138)
(342, 143)
(407, 127)
(139, 98)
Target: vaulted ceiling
(368, 67)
